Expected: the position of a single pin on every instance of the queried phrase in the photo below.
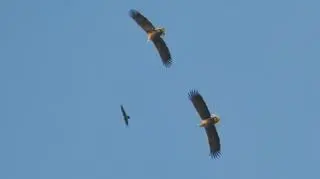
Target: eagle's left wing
(163, 51)
(214, 141)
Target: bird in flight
(125, 116)
(154, 34)
(208, 122)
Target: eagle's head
(162, 31)
(215, 118)
(158, 32)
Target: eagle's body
(157, 33)
(154, 34)
(208, 122)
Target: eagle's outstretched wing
(214, 141)
(125, 116)
(199, 104)
(163, 51)
(141, 20)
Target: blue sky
(66, 66)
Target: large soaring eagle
(208, 121)
(125, 116)
(154, 34)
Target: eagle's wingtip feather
(133, 12)
(193, 92)
(216, 154)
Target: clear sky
(67, 65)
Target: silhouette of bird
(154, 34)
(125, 116)
(208, 122)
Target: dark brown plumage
(154, 34)
(211, 131)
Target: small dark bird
(154, 34)
(125, 116)
(208, 121)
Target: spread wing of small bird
(204, 113)
(125, 116)
(158, 41)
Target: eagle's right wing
(141, 20)
(199, 104)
